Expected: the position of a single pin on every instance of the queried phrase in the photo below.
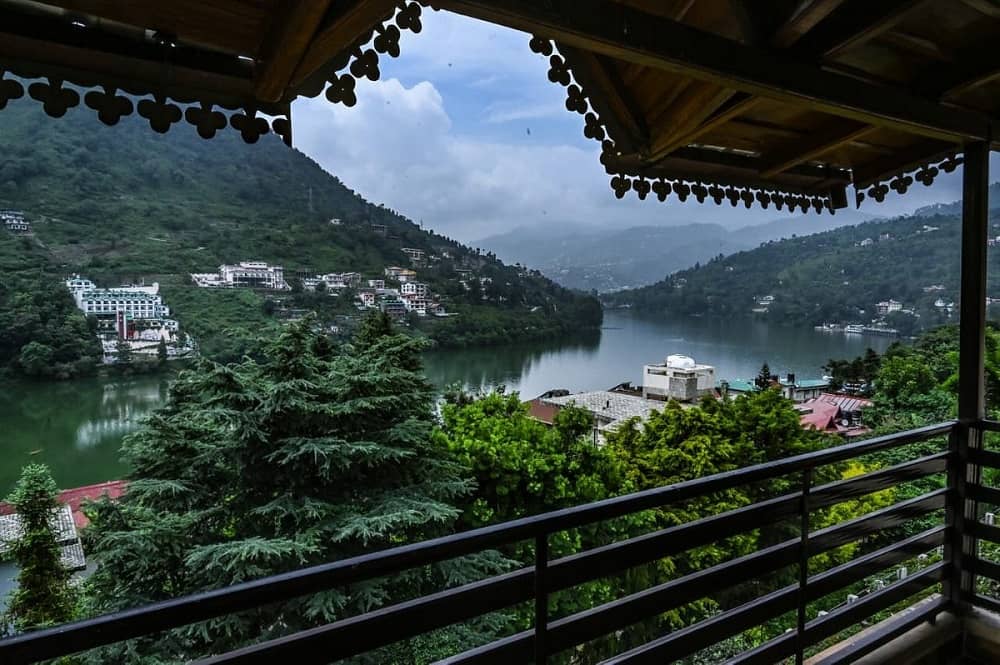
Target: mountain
(837, 276)
(608, 260)
(955, 207)
(124, 204)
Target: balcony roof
(785, 102)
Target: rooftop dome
(680, 362)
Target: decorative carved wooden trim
(901, 182)
(633, 180)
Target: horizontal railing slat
(849, 615)
(990, 495)
(989, 425)
(984, 531)
(829, 581)
(982, 567)
(691, 639)
(69, 638)
(843, 617)
(983, 457)
(886, 518)
(890, 630)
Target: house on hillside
(802, 390)
(14, 221)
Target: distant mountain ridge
(608, 260)
(839, 276)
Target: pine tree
(43, 596)
(303, 456)
(763, 380)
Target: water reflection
(76, 427)
(480, 369)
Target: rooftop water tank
(680, 362)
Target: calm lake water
(76, 428)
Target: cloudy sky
(465, 133)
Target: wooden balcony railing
(955, 571)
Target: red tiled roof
(76, 496)
(543, 411)
(823, 416)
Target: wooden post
(971, 374)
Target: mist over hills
(611, 259)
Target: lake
(76, 427)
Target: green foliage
(858, 374)
(42, 333)
(44, 596)
(304, 455)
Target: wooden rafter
(285, 45)
(805, 17)
(685, 116)
(735, 107)
(346, 28)
(856, 23)
(609, 97)
(816, 147)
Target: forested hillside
(125, 204)
(837, 277)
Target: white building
(887, 306)
(679, 377)
(137, 304)
(14, 221)
(415, 255)
(254, 274)
(245, 274)
(376, 283)
(341, 280)
(77, 284)
(418, 289)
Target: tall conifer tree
(44, 596)
(304, 456)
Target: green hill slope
(121, 204)
(836, 277)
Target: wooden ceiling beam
(285, 44)
(856, 23)
(816, 147)
(805, 17)
(354, 20)
(609, 97)
(620, 32)
(733, 108)
(686, 116)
